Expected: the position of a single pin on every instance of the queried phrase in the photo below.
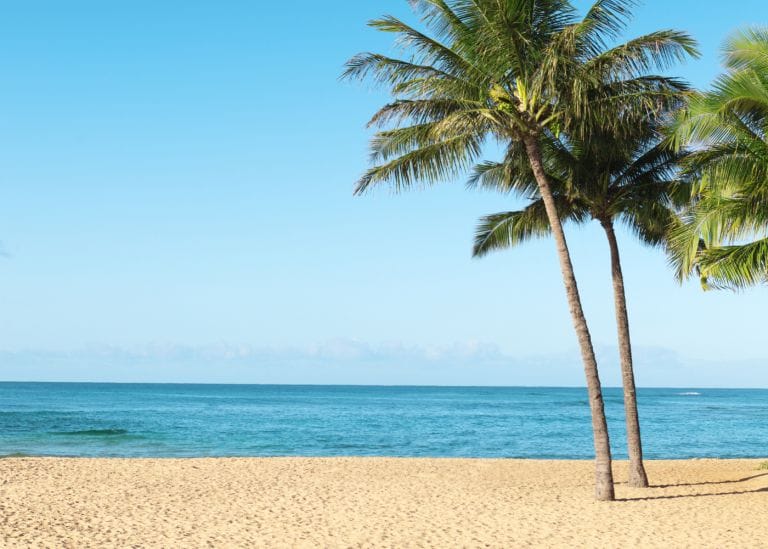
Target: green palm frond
(637, 57)
(648, 220)
(684, 244)
(736, 267)
(437, 14)
(440, 161)
(504, 230)
(747, 49)
(721, 235)
(606, 19)
(507, 229)
(389, 144)
(418, 111)
(388, 70)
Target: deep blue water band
(261, 420)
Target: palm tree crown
(633, 180)
(505, 70)
(724, 234)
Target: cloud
(339, 361)
(344, 361)
(341, 349)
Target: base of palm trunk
(604, 482)
(604, 493)
(637, 476)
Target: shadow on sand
(708, 483)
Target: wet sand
(375, 502)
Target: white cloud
(343, 361)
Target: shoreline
(375, 501)
(23, 456)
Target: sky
(176, 205)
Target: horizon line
(383, 385)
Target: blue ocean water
(84, 419)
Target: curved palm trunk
(603, 471)
(637, 476)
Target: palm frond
(721, 236)
(440, 161)
(735, 267)
(507, 229)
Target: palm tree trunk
(603, 471)
(637, 476)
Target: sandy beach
(374, 502)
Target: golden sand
(375, 502)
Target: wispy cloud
(344, 350)
(345, 361)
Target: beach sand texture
(375, 502)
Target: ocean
(170, 420)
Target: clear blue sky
(175, 204)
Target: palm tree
(629, 179)
(724, 233)
(513, 71)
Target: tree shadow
(678, 496)
(709, 482)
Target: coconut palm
(724, 234)
(629, 179)
(512, 71)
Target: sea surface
(159, 420)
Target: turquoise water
(76, 419)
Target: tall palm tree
(724, 234)
(512, 71)
(630, 179)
